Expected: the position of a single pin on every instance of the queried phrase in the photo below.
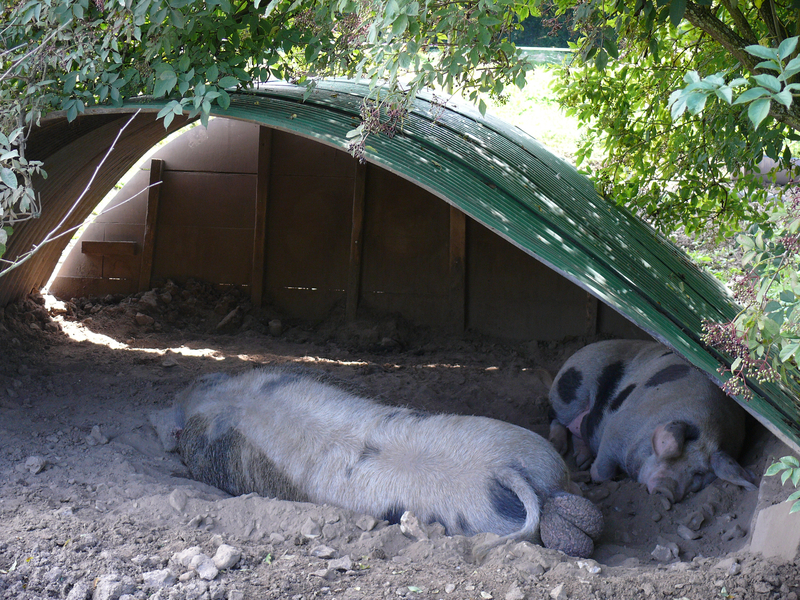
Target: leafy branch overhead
(69, 55)
(645, 62)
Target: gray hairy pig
(638, 407)
(291, 434)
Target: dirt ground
(92, 507)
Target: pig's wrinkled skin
(640, 408)
(285, 433)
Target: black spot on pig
(506, 503)
(224, 458)
(369, 451)
(419, 414)
(568, 385)
(667, 374)
(606, 386)
(393, 514)
(463, 524)
(391, 416)
(620, 398)
(691, 432)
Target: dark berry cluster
(725, 337)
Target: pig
(638, 407)
(293, 434)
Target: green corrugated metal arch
(506, 180)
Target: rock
(178, 499)
(276, 328)
(111, 587)
(143, 319)
(81, 590)
(323, 552)
(449, 588)
(226, 557)
(154, 580)
(204, 566)
(411, 527)
(184, 557)
(734, 533)
(98, 436)
(310, 529)
(686, 533)
(341, 564)
(662, 553)
(514, 593)
(326, 574)
(366, 522)
(148, 301)
(35, 464)
(695, 520)
(558, 593)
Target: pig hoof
(570, 524)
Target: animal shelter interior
(479, 257)
(459, 222)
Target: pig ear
(668, 439)
(726, 468)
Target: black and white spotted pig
(288, 434)
(639, 407)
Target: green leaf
(768, 81)
(677, 8)
(696, 102)
(774, 469)
(791, 69)
(787, 47)
(228, 81)
(224, 100)
(762, 52)
(8, 177)
(785, 97)
(751, 94)
(758, 111)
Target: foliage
(689, 171)
(70, 55)
(789, 468)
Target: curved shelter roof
(513, 185)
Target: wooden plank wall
(307, 229)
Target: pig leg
(559, 436)
(605, 465)
(583, 454)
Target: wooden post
(591, 315)
(356, 241)
(151, 220)
(458, 269)
(260, 231)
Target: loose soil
(92, 507)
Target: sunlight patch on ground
(79, 333)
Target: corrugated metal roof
(506, 180)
